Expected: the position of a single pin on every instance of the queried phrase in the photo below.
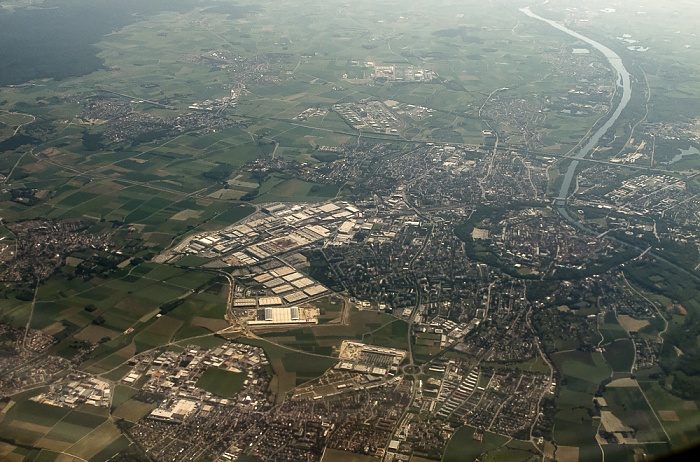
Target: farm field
(291, 367)
(573, 425)
(677, 416)
(57, 430)
(620, 355)
(628, 404)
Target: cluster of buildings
(276, 286)
(373, 116)
(285, 316)
(177, 374)
(276, 295)
(490, 399)
(415, 112)
(374, 259)
(361, 421)
(422, 414)
(138, 127)
(77, 389)
(370, 359)
(99, 110)
(38, 341)
(277, 229)
(338, 381)
(340, 164)
(24, 362)
(533, 242)
(311, 112)
(467, 176)
(218, 104)
(649, 194)
(42, 246)
(642, 202)
(634, 314)
(200, 423)
(399, 73)
(503, 334)
(23, 369)
(446, 332)
(242, 71)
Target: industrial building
(285, 315)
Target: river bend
(623, 81)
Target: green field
(330, 308)
(333, 455)
(620, 355)
(629, 405)
(133, 410)
(463, 447)
(27, 423)
(290, 366)
(122, 394)
(301, 339)
(680, 419)
(392, 335)
(325, 338)
(582, 374)
(508, 454)
(221, 382)
(584, 371)
(611, 329)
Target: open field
(630, 407)
(221, 382)
(630, 324)
(582, 368)
(333, 455)
(292, 367)
(55, 429)
(620, 355)
(683, 431)
(535, 364)
(370, 327)
(392, 335)
(567, 453)
(98, 439)
(133, 410)
(463, 447)
(611, 329)
(27, 422)
(210, 341)
(330, 308)
(158, 333)
(582, 373)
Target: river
(623, 81)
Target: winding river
(623, 81)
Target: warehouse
(284, 315)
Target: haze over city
(349, 231)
